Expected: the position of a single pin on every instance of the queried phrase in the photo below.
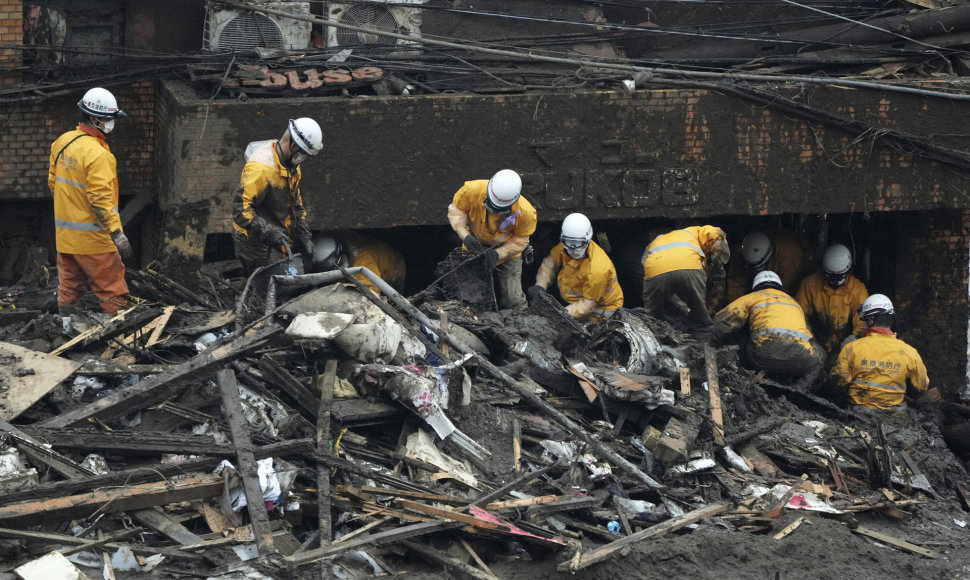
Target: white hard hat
(874, 305)
(100, 103)
(576, 231)
(504, 189)
(836, 263)
(307, 135)
(766, 278)
(328, 253)
(755, 250)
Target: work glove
(528, 255)
(277, 238)
(472, 243)
(491, 256)
(534, 291)
(122, 243)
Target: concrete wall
(392, 161)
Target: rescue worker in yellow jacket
(83, 177)
(586, 276)
(782, 252)
(780, 342)
(268, 213)
(491, 214)
(677, 264)
(875, 370)
(353, 250)
(831, 297)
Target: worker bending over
(268, 214)
(831, 298)
(780, 342)
(584, 273)
(83, 177)
(674, 265)
(874, 371)
(355, 250)
(782, 252)
(492, 215)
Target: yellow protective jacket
(268, 195)
(876, 369)
(789, 259)
(83, 177)
(684, 249)
(380, 258)
(467, 214)
(589, 286)
(769, 314)
(834, 311)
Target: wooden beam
(516, 445)
(327, 384)
(160, 387)
(685, 381)
(307, 403)
(246, 461)
(710, 360)
(789, 528)
(901, 544)
(387, 537)
(138, 442)
(114, 500)
(446, 560)
(672, 525)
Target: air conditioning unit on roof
(398, 16)
(229, 28)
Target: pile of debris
(322, 428)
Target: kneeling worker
(875, 370)
(491, 213)
(780, 342)
(586, 276)
(831, 298)
(356, 250)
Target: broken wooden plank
(760, 462)
(114, 499)
(685, 381)
(450, 515)
(389, 536)
(102, 367)
(157, 388)
(324, 514)
(516, 445)
(246, 461)
(478, 560)
(713, 388)
(446, 560)
(27, 376)
(159, 521)
(138, 442)
(672, 525)
(789, 528)
(307, 403)
(89, 333)
(901, 544)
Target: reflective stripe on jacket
(270, 192)
(833, 309)
(380, 258)
(876, 369)
(84, 182)
(592, 278)
(683, 249)
(769, 314)
(485, 226)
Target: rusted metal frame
(159, 387)
(246, 461)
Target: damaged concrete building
(838, 123)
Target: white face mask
(576, 253)
(107, 126)
(298, 158)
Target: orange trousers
(104, 272)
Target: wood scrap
(714, 391)
(901, 544)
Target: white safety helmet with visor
(306, 134)
(836, 264)
(504, 189)
(576, 234)
(102, 105)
